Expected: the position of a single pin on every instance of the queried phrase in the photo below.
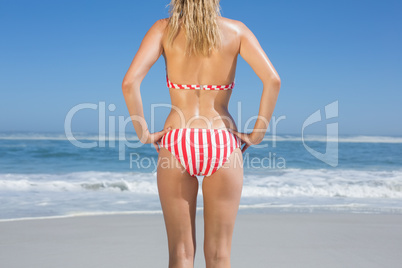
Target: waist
(193, 118)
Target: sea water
(46, 174)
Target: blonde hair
(199, 20)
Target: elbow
(278, 83)
(127, 85)
(274, 82)
(131, 83)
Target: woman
(200, 137)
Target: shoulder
(157, 30)
(160, 25)
(235, 25)
(162, 22)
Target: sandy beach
(260, 240)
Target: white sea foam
(143, 183)
(86, 214)
(284, 183)
(133, 137)
(323, 138)
(326, 183)
(292, 190)
(62, 136)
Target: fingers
(157, 136)
(160, 134)
(242, 136)
(239, 135)
(234, 131)
(156, 147)
(245, 148)
(244, 139)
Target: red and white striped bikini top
(204, 87)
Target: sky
(57, 55)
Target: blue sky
(58, 54)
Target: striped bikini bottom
(200, 151)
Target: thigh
(178, 196)
(221, 193)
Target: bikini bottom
(200, 151)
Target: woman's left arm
(148, 53)
(252, 52)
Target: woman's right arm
(252, 52)
(150, 50)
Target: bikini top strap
(201, 87)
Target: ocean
(49, 175)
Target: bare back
(201, 108)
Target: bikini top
(204, 87)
